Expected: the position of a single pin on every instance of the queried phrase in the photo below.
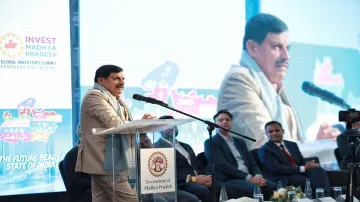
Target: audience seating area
(337, 178)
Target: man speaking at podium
(253, 91)
(102, 107)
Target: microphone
(311, 89)
(149, 100)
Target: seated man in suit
(192, 176)
(182, 196)
(284, 162)
(233, 161)
(344, 149)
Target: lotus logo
(11, 45)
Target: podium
(154, 176)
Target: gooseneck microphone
(327, 96)
(149, 100)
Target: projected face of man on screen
(272, 55)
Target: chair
(315, 158)
(202, 159)
(78, 185)
(62, 172)
(338, 156)
(254, 154)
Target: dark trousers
(249, 187)
(182, 196)
(201, 191)
(204, 193)
(318, 179)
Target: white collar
(168, 141)
(226, 137)
(278, 144)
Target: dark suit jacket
(226, 167)
(344, 149)
(78, 183)
(277, 166)
(183, 168)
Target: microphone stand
(353, 166)
(211, 126)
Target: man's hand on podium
(148, 116)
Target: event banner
(35, 109)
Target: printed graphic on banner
(36, 106)
(28, 123)
(33, 143)
(24, 162)
(27, 52)
(157, 170)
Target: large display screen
(35, 109)
(179, 52)
(325, 50)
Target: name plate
(304, 200)
(326, 199)
(344, 198)
(157, 170)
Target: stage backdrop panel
(175, 51)
(179, 52)
(35, 109)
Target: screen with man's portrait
(180, 52)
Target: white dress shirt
(182, 151)
(302, 168)
(241, 163)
